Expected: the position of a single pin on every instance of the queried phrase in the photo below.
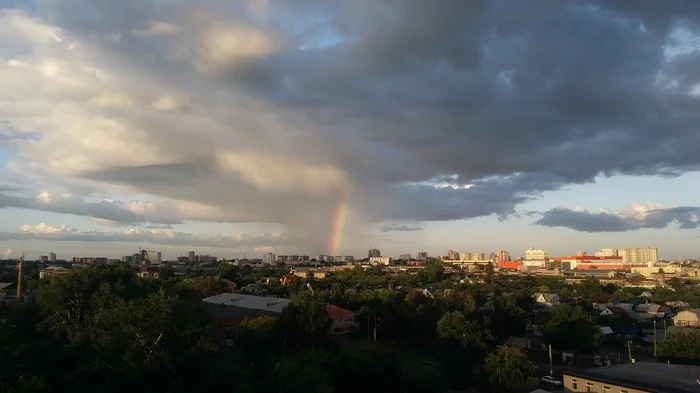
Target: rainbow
(339, 218)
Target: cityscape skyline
(235, 128)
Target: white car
(550, 380)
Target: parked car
(550, 380)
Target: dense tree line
(103, 329)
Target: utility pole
(369, 329)
(551, 370)
(629, 351)
(375, 328)
(654, 337)
(20, 277)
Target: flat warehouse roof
(653, 377)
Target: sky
(314, 127)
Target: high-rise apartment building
(269, 258)
(452, 255)
(191, 256)
(374, 253)
(154, 257)
(52, 257)
(44, 259)
(503, 256)
(405, 257)
(639, 255)
(422, 256)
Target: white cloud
(43, 229)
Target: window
(589, 386)
(623, 391)
(574, 384)
(606, 389)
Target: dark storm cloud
(400, 228)
(412, 99)
(582, 220)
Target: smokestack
(20, 276)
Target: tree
(489, 272)
(433, 272)
(260, 336)
(681, 345)
(570, 328)
(205, 286)
(455, 327)
(166, 272)
(509, 370)
(459, 346)
(505, 319)
(305, 321)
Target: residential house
(8, 291)
(342, 321)
(647, 294)
(601, 302)
(614, 311)
(546, 299)
(689, 318)
(652, 310)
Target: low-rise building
(687, 318)
(228, 310)
(342, 321)
(546, 299)
(639, 377)
(51, 271)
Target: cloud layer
(636, 217)
(280, 111)
(144, 235)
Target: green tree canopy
(509, 370)
(570, 328)
(681, 345)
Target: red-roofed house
(343, 321)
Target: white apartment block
(536, 255)
(639, 255)
(380, 261)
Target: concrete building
(269, 258)
(191, 257)
(422, 256)
(607, 252)
(154, 257)
(639, 377)
(452, 255)
(52, 257)
(503, 256)
(44, 259)
(405, 257)
(639, 255)
(374, 252)
(380, 261)
(536, 255)
(52, 271)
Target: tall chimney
(20, 276)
